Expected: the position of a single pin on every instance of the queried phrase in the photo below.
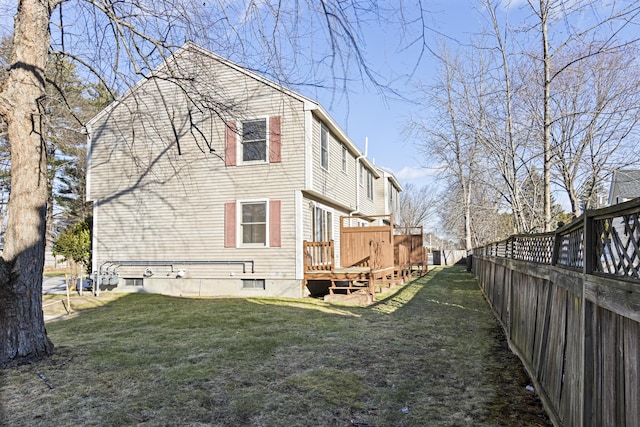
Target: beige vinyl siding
(369, 206)
(156, 204)
(333, 183)
(380, 195)
(383, 186)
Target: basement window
(132, 281)
(253, 284)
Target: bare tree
(534, 97)
(488, 223)
(417, 205)
(504, 146)
(605, 31)
(596, 124)
(452, 140)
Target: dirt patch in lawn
(430, 354)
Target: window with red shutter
(252, 228)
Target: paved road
(55, 285)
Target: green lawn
(430, 354)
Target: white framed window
(253, 223)
(253, 284)
(254, 140)
(344, 159)
(324, 147)
(322, 224)
(361, 175)
(133, 281)
(369, 185)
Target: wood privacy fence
(569, 302)
(355, 242)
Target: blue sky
(382, 119)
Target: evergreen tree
(69, 104)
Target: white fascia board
(308, 149)
(391, 177)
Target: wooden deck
(371, 257)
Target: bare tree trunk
(23, 337)
(544, 14)
(509, 166)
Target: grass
(430, 354)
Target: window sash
(322, 225)
(344, 159)
(254, 140)
(253, 284)
(324, 148)
(254, 223)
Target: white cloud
(409, 173)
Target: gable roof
(625, 184)
(391, 177)
(309, 104)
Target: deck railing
(569, 302)
(318, 256)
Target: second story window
(344, 159)
(254, 140)
(369, 185)
(324, 148)
(361, 175)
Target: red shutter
(231, 134)
(274, 223)
(230, 225)
(275, 146)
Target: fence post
(588, 242)
(557, 239)
(588, 246)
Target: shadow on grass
(397, 300)
(275, 361)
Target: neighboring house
(207, 178)
(625, 185)
(387, 192)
